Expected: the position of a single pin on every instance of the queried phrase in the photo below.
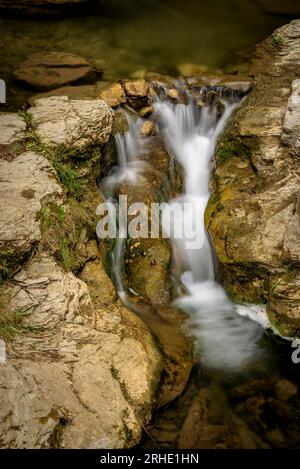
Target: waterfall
(224, 333)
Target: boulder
(113, 94)
(28, 181)
(104, 360)
(73, 92)
(252, 215)
(78, 124)
(46, 70)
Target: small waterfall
(224, 334)
(225, 338)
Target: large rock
(104, 360)
(45, 70)
(59, 120)
(27, 182)
(253, 213)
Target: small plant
(68, 177)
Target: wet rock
(45, 70)
(285, 390)
(204, 425)
(12, 128)
(148, 129)
(250, 388)
(146, 111)
(100, 402)
(256, 186)
(173, 93)
(137, 92)
(291, 123)
(113, 94)
(72, 123)
(28, 181)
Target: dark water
(130, 37)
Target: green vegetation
(61, 227)
(242, 147)
(12, 321)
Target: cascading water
(224, 337)
(223, 332)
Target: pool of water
(132, 36)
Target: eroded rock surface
(84, 379)
(59, 120)
(252, 215)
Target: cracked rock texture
(78, 124)
(86, 377)
(253, 213)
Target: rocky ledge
(253, 213)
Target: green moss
(232, 145)
(278, 39)
(12, 321)
(61, 227)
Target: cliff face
(253, 213)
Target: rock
(72, 123)
(12, 128)
(285, 390)
(148, 129)
(113, 95)
(136, 88)
(146, 111)
(204, 425)
(28, 181)
(100, 286)
(253, 216)
(137, 92)
(250, 388)
(291, 123)
(45, 70)
(105, 363)
(73, 92)
(41, 7)
(173, 93)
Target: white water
(225, 338)
(224, 334)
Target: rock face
(27, 182)
(77, 124)
(82, 370)
(104, 361)
(45, 70)
(253, 213)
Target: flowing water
(232, 342)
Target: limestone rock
(291, 123)
(45, 70)
(148, 129)
(27, 182)
(113, 95)
(253, 214)
(12, 128)
(104, 360)
(285, 390)
(72, 123)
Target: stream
(230, 393)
